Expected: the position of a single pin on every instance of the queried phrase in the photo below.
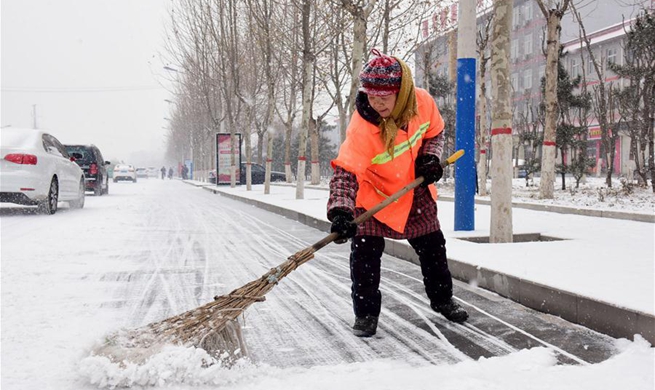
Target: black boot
(451, 310)
(365, 326)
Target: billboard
(224, 157)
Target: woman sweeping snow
(395, 136)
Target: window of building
(515, 49)
(516, 17)
(612, 55)
(527, 11)
(527, 79)
(575, 67)
(590, 66)
(527, 45)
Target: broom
(214, 326)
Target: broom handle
(369, 213)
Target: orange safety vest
(378, 174)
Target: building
(607, 45)
(605, 19)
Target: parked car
(258, 173)
(153, 172)
(37, 170)
(89, 158)
(142, 173)
(124, 172)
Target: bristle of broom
(213, 327)
(226, 345)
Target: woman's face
(383, 105)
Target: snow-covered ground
(593, 194)
(153, 249)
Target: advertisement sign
(224, 157)
(594, 132)
(189, 170)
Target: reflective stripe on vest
(402, 147)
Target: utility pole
(465, 122)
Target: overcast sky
(94, 70)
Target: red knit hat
(381, 76)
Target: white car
(141, 173)
(153, 172)
(36, 170)
(124, 172)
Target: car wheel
(79, 202)
(97, 190)
(49, 205)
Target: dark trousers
(365, 260)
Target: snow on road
(156, 248)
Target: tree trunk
(452, 58)
(269, 162)
(308, 70)
(316, 170)
(547, 185)
(501, 124)
(651, 139)
(359, 43)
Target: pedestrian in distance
(163, 172)
(395, 136)
(170, 172)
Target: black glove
(428, 166)
(342, 223)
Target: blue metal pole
(465, 175)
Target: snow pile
(537, 368)
(172, 365)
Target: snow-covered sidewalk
(604, 260)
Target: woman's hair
(405, 109)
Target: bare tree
(360, 10)
(196, 96)
(637, 100)
(289, 82)
(334, 68)
(600, 102)
(553, 22)
(263, 13)
(529, 126)
(482, 41)
(308, 59)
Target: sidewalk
(594, 270)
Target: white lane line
(517, 329)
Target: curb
(599, 316)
